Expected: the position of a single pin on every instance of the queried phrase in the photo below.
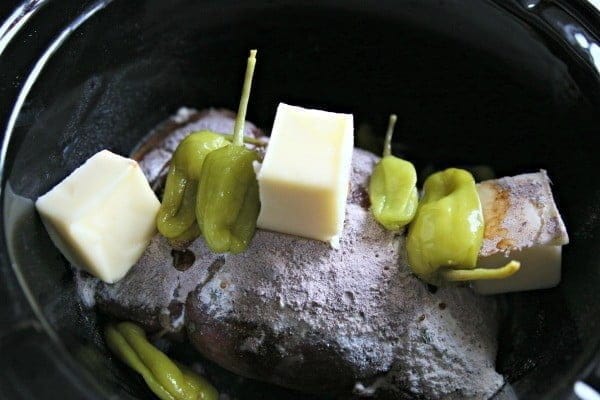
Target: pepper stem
(387, 144)
(238, 130)
(455, 275)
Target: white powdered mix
(364, 300)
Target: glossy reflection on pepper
(228, 201)
(392, 187)
(176, 218)
(167, 379)
(446, 235)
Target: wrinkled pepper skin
(176, 219)
(168, 380)
(228, 201)
(393, 187)
(446, 234)
(448, 228)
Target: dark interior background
(483, 84)
(6, 8)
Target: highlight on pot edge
(223, 190)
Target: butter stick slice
(522, 223)
(102, 216)
(304, 178)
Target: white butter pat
(102, 216)
(540, 269)
(522, 223)
(304, 178)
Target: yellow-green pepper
(446, 234)
(176, 219)
(168, 380)
(228, 203)
(392, 187)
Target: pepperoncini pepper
(228, 202)
(446, 234)
(168, 380)
(176, 218)
(392, 187)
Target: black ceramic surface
(510, 84)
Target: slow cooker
(513, 84)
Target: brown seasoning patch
(360, 196)
(505, 245)
(494, 215)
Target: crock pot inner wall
(471, 85)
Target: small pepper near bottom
(168, 380)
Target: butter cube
(522, 223)
(102, 216)
(540, 269)
(304, 178)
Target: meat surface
(296, 313)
